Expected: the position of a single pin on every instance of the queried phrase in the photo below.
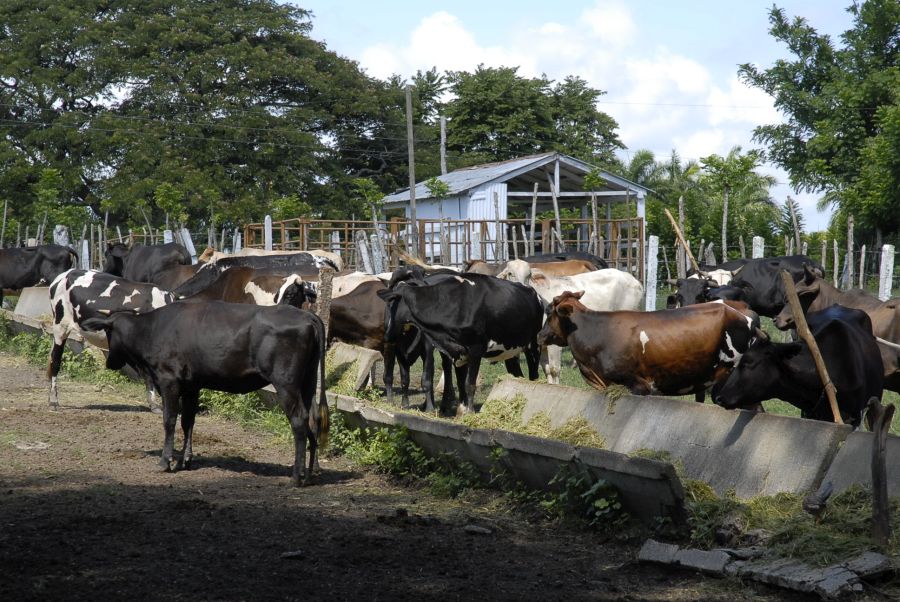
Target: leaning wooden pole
(879, 418)
(803, 330)
(681, 240)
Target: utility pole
(443, 145)
(414, 250)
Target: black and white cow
(468, 317)
(78, 295)
(141, 263)
(788, 371)
(33, 266)
(186, 347)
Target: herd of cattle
(238, 322)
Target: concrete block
(869, 564)
(34, 302)
(853, 463)
(707, 561)
(656, 551)
(754, 454)
(344, 356)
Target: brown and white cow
(569, 267)
(671, 352)
(603, 290)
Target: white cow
(604, 290)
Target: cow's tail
(74, 254)
(323, 413)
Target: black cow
(468, 317)
(787, 370)
(142, 263)
(760, 280)
(186, 347)
(599, 262)
(32, 266)
(78, 295)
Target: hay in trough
(506, 414)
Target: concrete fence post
(378, 254)
(189, 244)
(85, 254)
(267, 234)
(236, 244)
(758, 247)
(475, 252)
(167, 236)
(362, 252)
(886, 273)
(652, 266)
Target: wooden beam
(803, 330)
(613, 193)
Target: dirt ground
(84, 516)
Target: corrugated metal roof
(467, 178)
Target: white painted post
(377, 254)
(336, 243)
(837, 262)
(804, 248)
(652, 265)
(362, 252)
(189, 244)
(886, 273)
(167, 236)
(267, 234)
(758, 247)
(60, 235)
(86, 254)
(475, 252)
(237, 242)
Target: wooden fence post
(880, 417)
(886, 272)
(652, 267)
(862, 266)
(805, 334)
(850, 261)
(837, 262)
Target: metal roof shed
(472, 189)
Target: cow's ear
(809, 275)
(564, 310)
(387, 295)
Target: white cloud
(611, 22)
(738, 103)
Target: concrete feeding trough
(649, 489)
(34, 302)
(343, 357)
(852, 464)
(753, 454)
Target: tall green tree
(496, 114)
(735, 181)
(842, 103)
(231, 102)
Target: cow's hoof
(186, 464)
(54, 407)
(156, 409)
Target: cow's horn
(761, 334)
(672, 281)
(105, 312)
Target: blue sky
(669, 68)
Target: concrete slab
(343, 356)
(754, 454)
(853, 463)
(648, 488)
(34, 302)
(657, 551)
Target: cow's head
(690, 291)
(392, 328)
(757, 376)
(559, 325)
(114, 259)
(807, 290)
(117, 327)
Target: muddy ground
(84, 516)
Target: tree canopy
(842, 104)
